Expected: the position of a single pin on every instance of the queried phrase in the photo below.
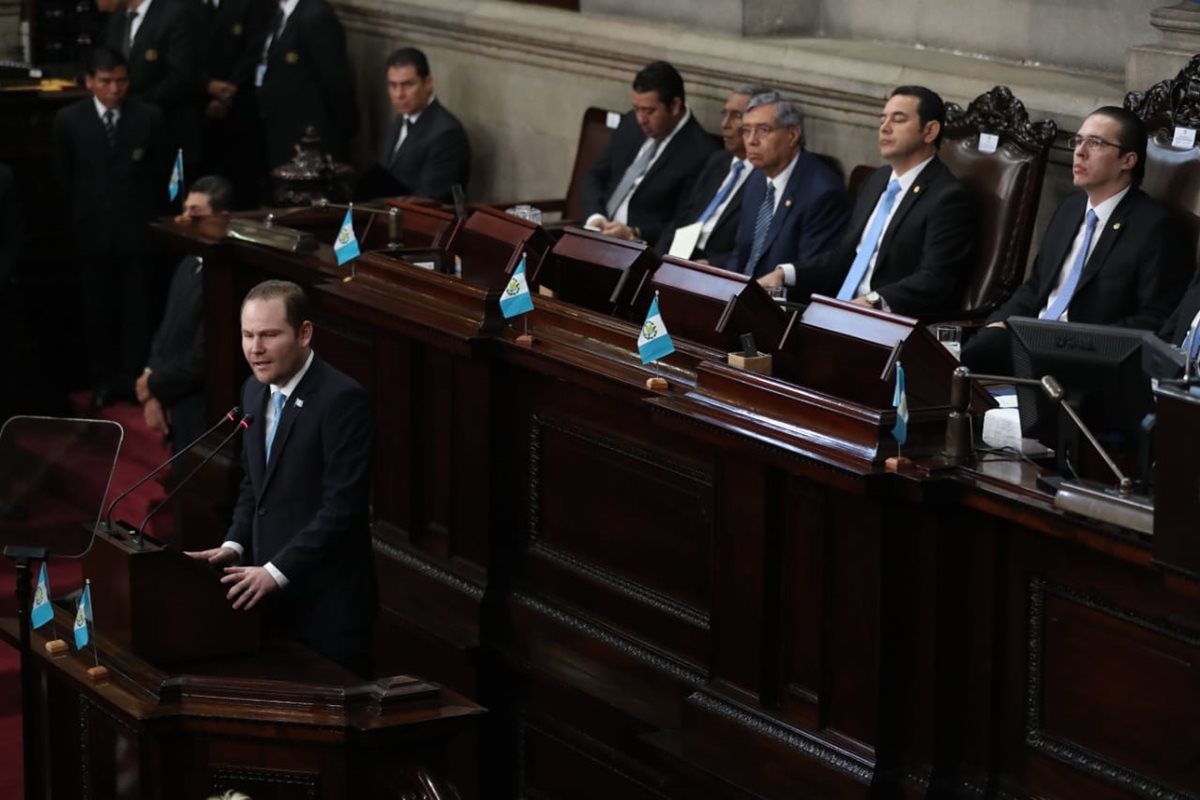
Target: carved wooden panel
(1113, 692)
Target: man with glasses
(1110, 255)
(911, 238)
(795, 206)
(710, 215)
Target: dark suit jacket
(924, 256)
(667, 184)
(809, 218)
(234, 34)
(435, 154)
(308, 83)
(114, 194)
(1176, 326)
(177, 353)
(10, 227)
(164, 66)
(306, 510)
(718, 250)
(1132, 278)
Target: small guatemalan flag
(653, 340)
(42, 611)
(900, 402)
(176, 176)
(346, 246)
(516, 300)
(83, 615)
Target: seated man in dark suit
(160, 40)
(1110, 255)
(1182, 328)
(111, 160)
(426, 149)
(646, 172)
(301, 525)
(171, 387)
(912, 234)
(795, 205)
(715, 203)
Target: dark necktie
(127, 33)
(762, 224)
(1067, 292)
(401, 138)
(110, 128)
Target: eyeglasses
(1090, 143)
(757, 130)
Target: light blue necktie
(278, 398)
(869, 243)
(762, 224)
(723, 192)
(1067, 291)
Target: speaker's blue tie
(762, 224)
(277, 398)
(1059, 307)
(869, 243)
(723, 192)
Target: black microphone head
(233, 414)
(247, 421)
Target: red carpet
(141, 451)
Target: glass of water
(950, 337)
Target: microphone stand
(1083, 497)
(243, 424)
(232, 415)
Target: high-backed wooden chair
(1007, 184)
(1173, 173)
(595, 132)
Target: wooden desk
(282, 724)
(718, 591)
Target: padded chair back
(1007, 184)
(1173, 173)
(594, 135)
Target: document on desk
(684, 243)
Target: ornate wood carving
(1067, 752)
(1175, 101)
(997, 111)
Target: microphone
(243, 424)
(232, 416)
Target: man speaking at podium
(300, 541)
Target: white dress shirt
(101, 109)
(139, 17)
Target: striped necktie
(723, 192)
(110, 127)
(762, 224)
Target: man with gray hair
(795, 205)
(706, 225)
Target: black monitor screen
(1104, 371)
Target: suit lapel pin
(292, 57)
(916, 189)
(152, 54)
(787, 203)
(237, 29)
(1116, 226)
(299, 402)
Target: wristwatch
(874, 299)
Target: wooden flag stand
(657, 384)
(57, 647)
(97, 673)
(898, 464)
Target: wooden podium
(161, 605)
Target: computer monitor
(1105, 373)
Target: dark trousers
(116, 291)
(989, 352)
